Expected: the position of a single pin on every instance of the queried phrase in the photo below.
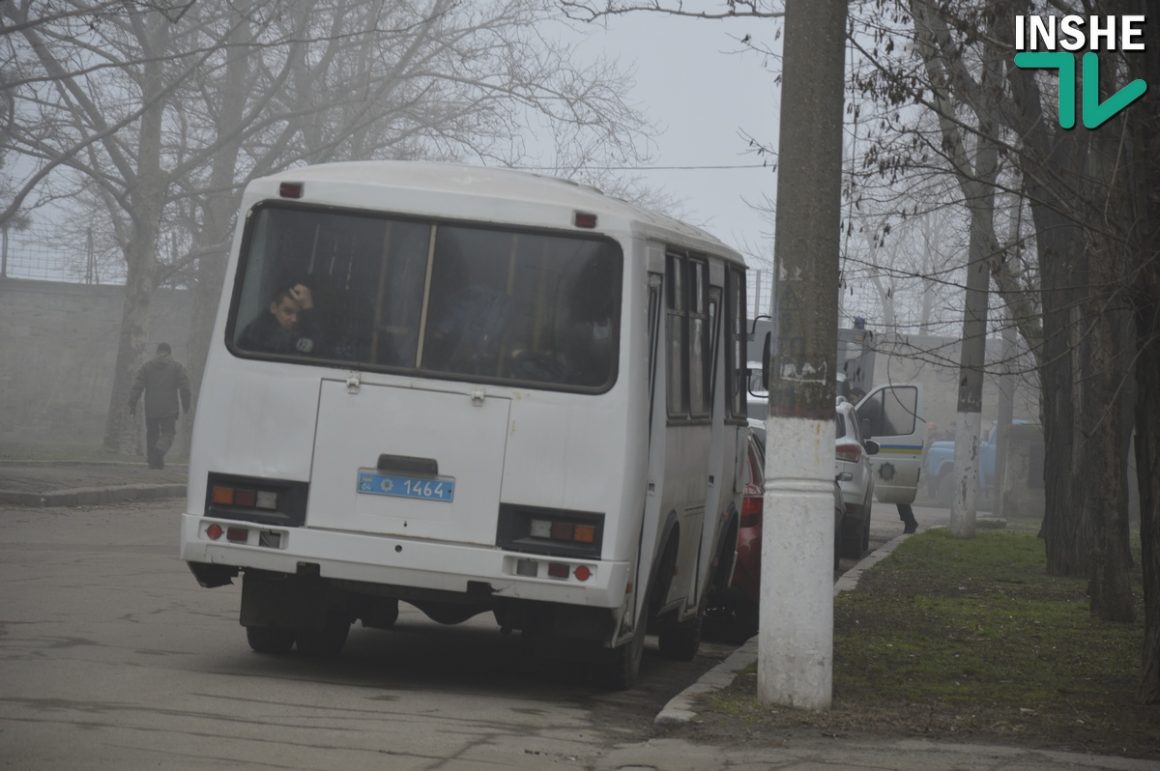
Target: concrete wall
(58, 346)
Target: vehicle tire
(866, 532)
(838, 542)
(270, 639)
(326, 641)
(745, 624)
(853, 540)
(945, 489)
(680, 642)
(619, 668)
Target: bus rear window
(450, 300)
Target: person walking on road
(162, 380)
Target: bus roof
(509, 184)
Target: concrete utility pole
(795, 647)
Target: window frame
(434, 222)
(736, 337)
(698, 311)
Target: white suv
(855, 478)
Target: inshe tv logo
(1050, 43)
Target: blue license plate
(371, 482)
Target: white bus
(473, 390)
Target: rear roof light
(290, 189)
(583, 219)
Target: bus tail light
(253, 499)
(554, 532)
(244, 497)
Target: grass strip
(970, 639)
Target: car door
(892, 416)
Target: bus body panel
(405, 562)
(463, 434)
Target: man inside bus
(287, 326)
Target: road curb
(679, 709)
(92, 496)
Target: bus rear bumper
(392, 561)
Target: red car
(738, 606)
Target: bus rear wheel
(619, 668)
(326, 641)
(270, 639)
(681, 641)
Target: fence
(58, 254)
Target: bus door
(891, 416)
(407, 461)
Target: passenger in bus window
(287, 326)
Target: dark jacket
(163, 380)
(265, 335)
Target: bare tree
(166, 116)
(1088, 195)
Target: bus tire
(680, 642)
(326, 641)
(620, 668)
(271, 640)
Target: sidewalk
(38, 483)
(870, 753)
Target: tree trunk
(121, 433)
(1102, 476)
(1060, 242)
(213, 239)
(145, 208)
(1148, 469)
(1003, 418)
(1145, 123)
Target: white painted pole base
(966, 475)
(796, 639)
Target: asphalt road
(112, 656)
